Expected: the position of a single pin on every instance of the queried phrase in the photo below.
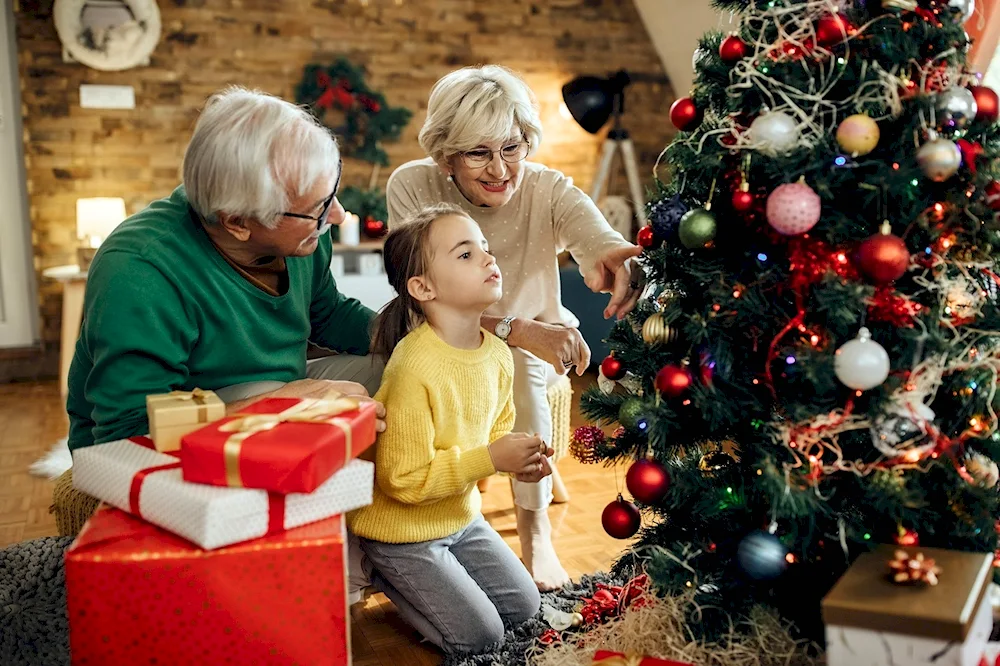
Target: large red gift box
(138, 595)
(285, 445)
(606, 658)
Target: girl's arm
(408, 467)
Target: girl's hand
(544, 469)
(518, 453)
(561, 346)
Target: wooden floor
(32, 418)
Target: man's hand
(561, 346)
(616, 273)
(315, 389)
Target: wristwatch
(503, 328)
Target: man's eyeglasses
(512, 153)
(327, 203)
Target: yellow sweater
(443, 407)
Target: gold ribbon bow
(629, 659)
(324, 412)
(197, 396)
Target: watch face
(503, 329)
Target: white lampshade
(96, 218)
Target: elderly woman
(222, 284)
(482, 123)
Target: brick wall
(406, 45)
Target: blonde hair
(477, 105)
(251, 152)
(406, 254)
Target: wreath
(362, 119)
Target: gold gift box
(173, 415)
(866, 598)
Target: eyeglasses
(511, 154)
(327, 203)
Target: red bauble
(620, 519)
(684, 114)
(992, 191)
(833, 29)
(907, 537)
(883, 257)
(612, 368)
(374, 228)
(648, 481)
(743, 201)
(646, 238)
(987, 104)
(673, 381)
(732, 49)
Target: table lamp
(96, 218)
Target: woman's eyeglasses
(327, 203)
(511, 154)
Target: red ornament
(684, 114)
(987, 104)
(833, 29)
(374, 228)
(673, 381)
(612, 368)
(620, 519)
(883, 257)
(970, 153)
(743, 201)
(733, 49)
(646, 238)
(907, 537)
(648, 481)
(992, 191)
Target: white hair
(251, 153)
(477, 105)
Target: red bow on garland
(610, 601)
(339, 95)
(971, 151)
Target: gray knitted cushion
(33, 627)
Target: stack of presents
(220, 540)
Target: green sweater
(164, 311)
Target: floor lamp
(592, 101)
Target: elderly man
(222, 284)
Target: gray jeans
(365, 370)
(461, 591)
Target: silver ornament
(965, 7)
(983, 470)
(939, 159)
(956, 108)
(861, 363)
(774, 133)
(900, 431)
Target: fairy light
(790, 360)
(761, 256)
(756, 382)
(840, 160)
(867, 536)
(814, 339)
(912, 456)
(686, 402)
(790, 558)
(914, 182)
(716, 307)
(895, 166)
(736, 293)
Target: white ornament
(774, 133)
(861, 363)
(939, 159)
(966, 7)
(607, 386)
(983, 470)
(557, 619)
(956, 107)
(900, 432)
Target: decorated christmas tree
(813, 368)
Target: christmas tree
(813, 368)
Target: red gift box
(285, 445)
(606, 658)
(139, 595)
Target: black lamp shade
(590, 101)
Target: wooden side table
(74, 283)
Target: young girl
(447, 390)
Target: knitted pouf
(34, 630)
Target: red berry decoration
(987, 104)
(620, 519)
(648, 481)
(993, 195)
(646, 238)
(833, 29)
(883, 257)
(374, 228)
(673, 381)
(743, 201)
(733, 49)
(684, 114)
(612, 368)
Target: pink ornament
(793, 208)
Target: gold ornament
(714, 462)
(576, 620)
(858, 134)
(657, 331)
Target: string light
(790, 558)
(761, 256)
(840, 160)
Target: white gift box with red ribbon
(131, 475)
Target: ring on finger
(567, 364)
(634, 285)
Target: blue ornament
(762, 555)
(665, 216)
